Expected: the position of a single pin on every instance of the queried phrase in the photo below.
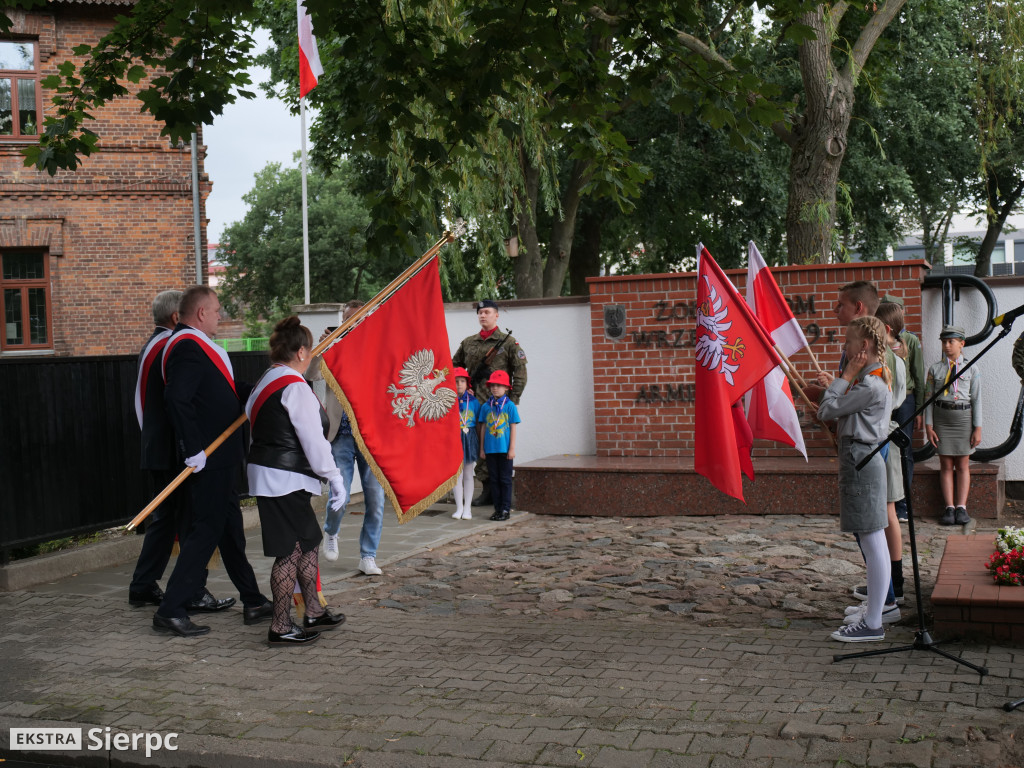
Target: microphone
(1007, 318)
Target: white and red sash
(149, 355)
(274, 380)
(217, 355)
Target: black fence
(69, 445)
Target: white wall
(1000, 385)
(557, 407)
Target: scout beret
(485, 304)
(952, 332)
(890, 299)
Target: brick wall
(119, 229)
(644, 379)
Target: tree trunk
(529, 266)
(817, 146)
(560, 247)
(999, 207)
(586, 257)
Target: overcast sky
(250, 134)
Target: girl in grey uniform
(953, 423)
(861, 400)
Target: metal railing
(255, 344)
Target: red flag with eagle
(392, 373)
(733, 353)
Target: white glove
(197, 462)
(338, 493)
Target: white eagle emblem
(419, 391)
(713, 350)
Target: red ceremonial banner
(392, 374)
(733, 354)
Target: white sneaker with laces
(331, 547)
(855, 613)
(368, 565)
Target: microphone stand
(923, 640)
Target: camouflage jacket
(510, 358)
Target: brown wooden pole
(183, 474)
(792, 372)
(813, 407)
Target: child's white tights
(463, 490)
(876, 555)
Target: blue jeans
(346, 456)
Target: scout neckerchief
(496, 405)
(154, 348)
(216, 354)
(874, 372)
(954, 368)
(274, 380)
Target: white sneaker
(331, 547)
(369, 566)
(855, 613)
(467, 514)
(458, 514)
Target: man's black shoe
(499, 516)
(209, 604)
(484, 499)
(182, 627)
(324, 622)
(152, 596)
(254, 614)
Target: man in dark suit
(159, 458)
(202, 401)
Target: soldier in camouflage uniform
(508, 356)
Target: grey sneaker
(858, 633)
(855, 613)
(960, 517)
(948, 516)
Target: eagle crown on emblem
(419, 391)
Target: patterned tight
(300, 565)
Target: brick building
(83, 253)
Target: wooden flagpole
(342, 329)
(806, 399)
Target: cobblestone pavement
(670, 641)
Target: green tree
(263, 252)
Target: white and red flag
(770, 409)
(733, 354)
(310, 68)
(393, 374)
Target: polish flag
(770, 409)
(310, 68)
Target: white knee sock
(876, 555)
(457, 491)
(467, 481)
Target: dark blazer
(158, 446)
(201, 403)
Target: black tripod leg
(1012, 705)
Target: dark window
(25, 300)
(20, 95)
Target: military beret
(890, 299)
(952, 332)
(485, 304)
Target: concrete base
(967, 602)
(642, 487)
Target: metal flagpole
(305, 209)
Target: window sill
(26, 352)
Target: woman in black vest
(288, 455)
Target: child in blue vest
(468, 408)
(498, 418)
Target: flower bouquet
(1007, 562)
